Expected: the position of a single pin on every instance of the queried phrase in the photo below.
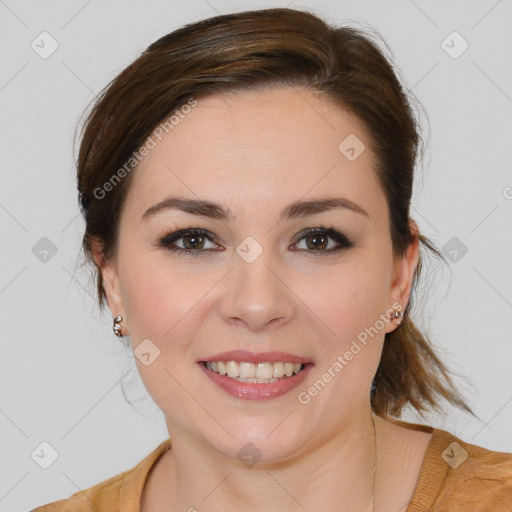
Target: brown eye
(320, 240)
(193, 241)
(189, 241)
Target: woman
(245, 185)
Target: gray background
(62, 367)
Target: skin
(256, 152)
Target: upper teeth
(254, 371)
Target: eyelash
(172, 236)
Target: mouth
(265, 379)
(260, 373)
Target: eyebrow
(213, 210)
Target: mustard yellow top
(448, 482)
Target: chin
(257, 442)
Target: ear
(110, 279)
(403, 273)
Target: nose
(257, 295)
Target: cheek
(350, 299)
(351, 303)
(159, 304)
(148, 302)
(157, 297)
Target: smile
(262, 373)
(255, 381)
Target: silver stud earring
(117, 325)
(396, 317)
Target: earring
(117, 325)
(396, 317)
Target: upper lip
(256, 357)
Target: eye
(192, 240)
(317, 240)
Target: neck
(334, 474)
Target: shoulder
(103, 496)
(457, 475)
(113, 494)
(477, 478)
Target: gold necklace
(374, 461)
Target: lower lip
(252, 390)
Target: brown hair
(266, 48)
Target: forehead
(260, 148)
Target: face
(317, 283)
